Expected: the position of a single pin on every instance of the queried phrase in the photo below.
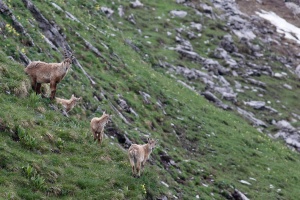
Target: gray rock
(183, 44)
(211, 97)
(146, 97)
(131, 19)
(262, 69)
(107, 11)
(280, 75)
(228, 44)
(121, 11)
(186, 85)
(271, 109)
(196, 26)
(297, 71)
(287, 86)
(259, 105)
(72, 17)
(229, 96)
(24, 58)
(257, 83)
(239, 195)
(133, 46)
(56, 6)
(215, 67)
(206, 8)
(178, 13)
(136, 4)
(284, 125)
(222, 54)
(190, 55)
(250, 116)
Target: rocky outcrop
(288, 133)
(251, 117)
(49, 29)
(4, 9)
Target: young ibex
(97, 126)
(41, 72)
(139, 154)
(68, 104)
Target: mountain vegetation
(140, 62)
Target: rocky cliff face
(245, 80)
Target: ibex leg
(33, 84)
(38, 88)
(138, 168)
(132, 165)
(53, 90)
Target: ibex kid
(68, 104)
(41, 72)
(139, 154)
(97, 126)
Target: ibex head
(152, 143)
(75, 98)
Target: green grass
(45, 155)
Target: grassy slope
(212, 149)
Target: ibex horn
(65, 52)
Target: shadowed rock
(250, 116)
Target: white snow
(290, 31)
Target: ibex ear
(148, 139)
(103, 113)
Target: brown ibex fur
(139, 154)
(97, 126)
(42, 72)
(68, 104)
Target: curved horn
(65, 52)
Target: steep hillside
(176, 71)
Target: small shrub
(26, 139)
(60, 143)
(29, 171)
(38, 181)
(35, 179)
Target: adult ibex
(41, 72)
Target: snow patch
(289, 30)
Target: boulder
(178, 13)
(228, 44)
(196, 26)
(211, 97)
(250, 116)
(107, 11)
(215, 67)
(136, 4)
(258, 105)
